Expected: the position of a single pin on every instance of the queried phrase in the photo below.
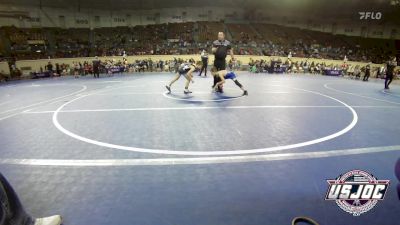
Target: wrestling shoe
(51, 220)
(168, 88)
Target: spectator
(96, 67)
(49, 68)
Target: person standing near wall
(49, 68)
(367, 72)
(204, 59)
(96, 67)
(390, 72)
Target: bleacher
(207, 30)
(185, 38)
(242, 33)
(182, 31)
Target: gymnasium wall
(27, 66)
(4, 69)
(91, 18)
(28, 17)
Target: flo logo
(356, 191)
(370, 15)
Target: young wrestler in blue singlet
(226, 75)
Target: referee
(220, 49)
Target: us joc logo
(356, 191)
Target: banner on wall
(36, 42)
(173, 40)
(333, 72)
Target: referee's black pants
(220, 64)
